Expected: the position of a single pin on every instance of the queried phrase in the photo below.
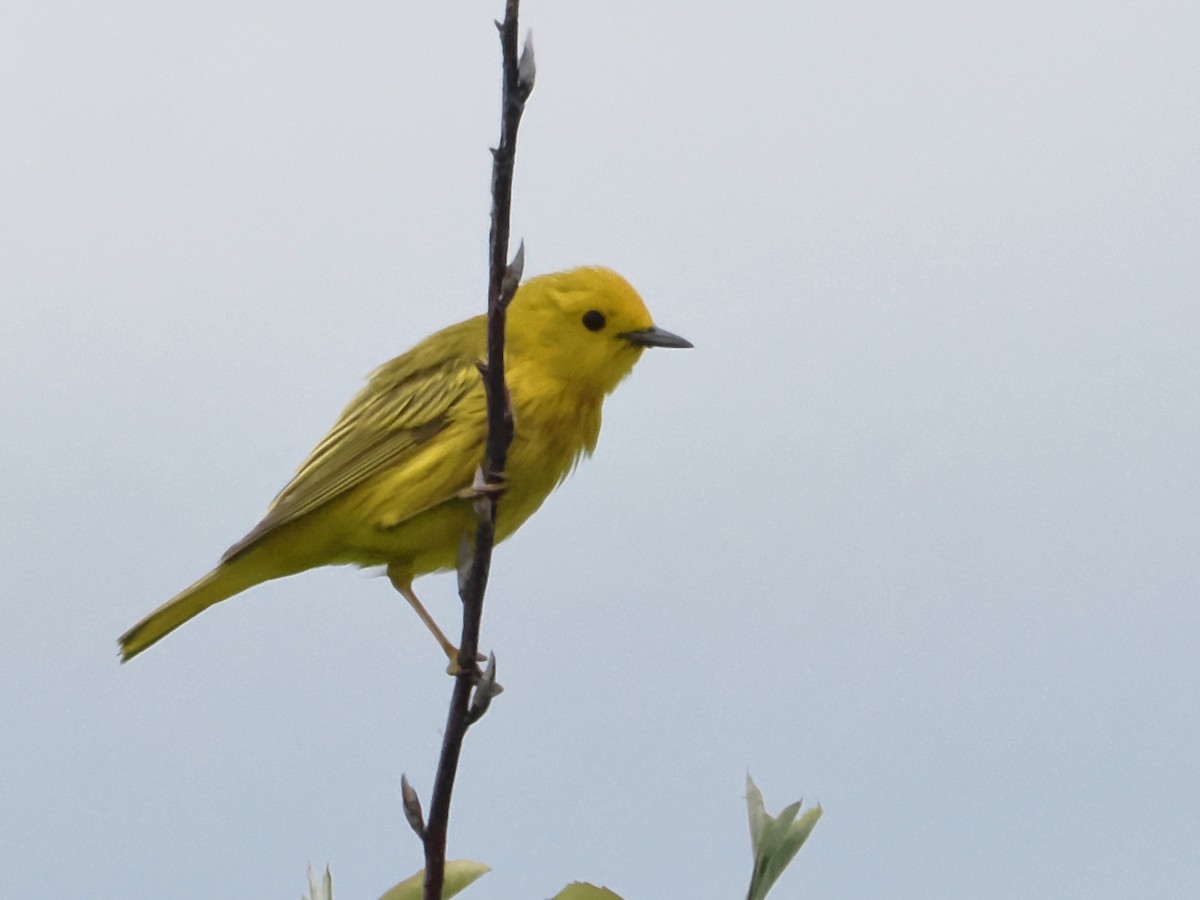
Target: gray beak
(655, 337)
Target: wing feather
(406, 403)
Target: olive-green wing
(406, 404)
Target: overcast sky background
(912, 532)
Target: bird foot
(483, 487)
(453, 669)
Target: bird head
(584, 327)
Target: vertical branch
(475, 562)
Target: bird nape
(389, 485)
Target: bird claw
(483, 487)
(453, 669)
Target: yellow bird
(390, 484)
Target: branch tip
(512, 275)
(412, 807)
(527, 66)
(486, 690)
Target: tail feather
(221, 583)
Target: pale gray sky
(912, 532)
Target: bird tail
(221, 583)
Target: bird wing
(406, 403)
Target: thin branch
(475, 562)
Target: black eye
(593, 320)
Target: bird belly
(388, 525)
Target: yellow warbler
(389, 485)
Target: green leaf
(758, 814)
(774, 840)
(319, 890)
(578, 890)
(459, 874)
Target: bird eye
(593, 320)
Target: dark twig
(476, 561)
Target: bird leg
(403, 584)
